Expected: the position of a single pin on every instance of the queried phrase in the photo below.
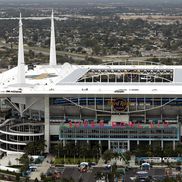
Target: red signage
(101, 124)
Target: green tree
(95, 151)
(36, 180)
(179, 149)
(83, 150)
(35, 147)
(42, 176)
(17, 177)
(108, 155)
(99, 175)
(27, 179)
(57, 149)
(25, 161)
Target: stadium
(118, 104)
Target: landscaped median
(71, 160)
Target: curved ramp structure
(16, 134)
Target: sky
(128, 2)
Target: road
(61, 18)
(45, 51)
(77, 56)
(155, 172)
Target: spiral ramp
(15, 134)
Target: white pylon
(21, 63)
(52, 59)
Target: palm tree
(83, 150)
(108, 155)
(41, 146)
(100, 149)
(27, 179)
(179, 149)
(68, 148)
(30, 148)
(95, 151)
(36, 180)
(25, 161)
(75, 151)
(64, 152)
(54, 150)
(35, 147)
(71, 150)
(17, 177)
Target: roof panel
(74, 76)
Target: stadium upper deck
(92, 79)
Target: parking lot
(154, 173)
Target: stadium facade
(118, 104)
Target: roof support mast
(21, 62)
(52, 59)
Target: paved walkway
(42, 168)
(11, 159)
(101, 162)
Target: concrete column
(128, 145)
(138, 142)
(174, 145)
(109, 144)
(150, 142)
(39, 116)
(162, 144)
(47, 124)
(100, 148)
(21, 107)
(145, 117)
(64, 143)
(30, 113)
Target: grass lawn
(71, 160)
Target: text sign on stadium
(119, 104)
(117, 124)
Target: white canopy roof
(62, 79)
